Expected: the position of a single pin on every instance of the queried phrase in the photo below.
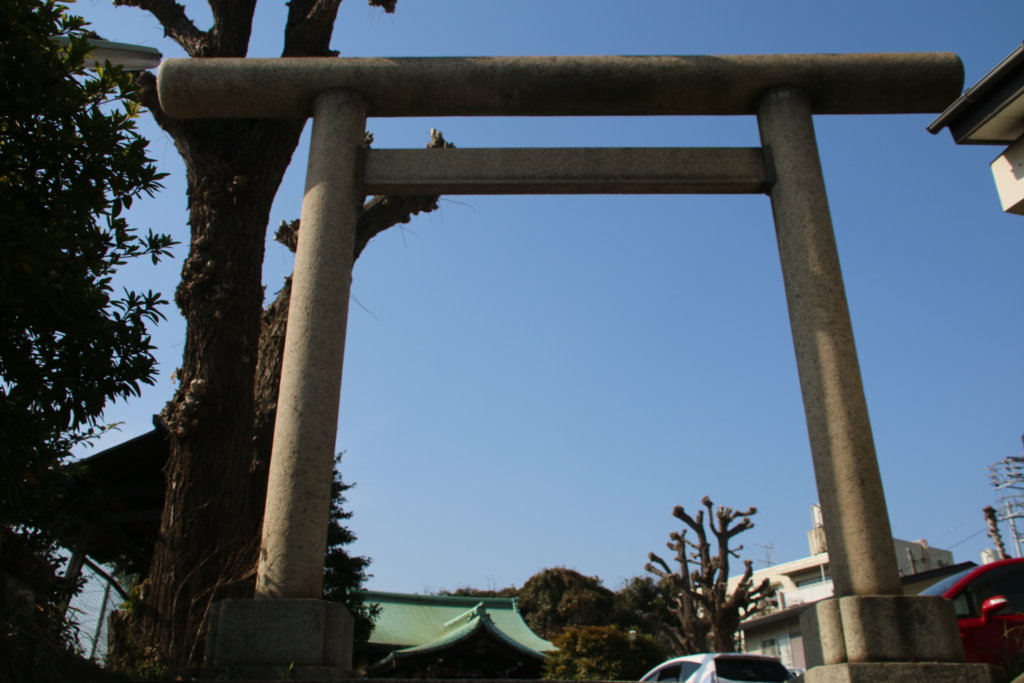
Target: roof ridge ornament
(477, 611)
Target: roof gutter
(975, 92)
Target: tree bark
(214, 495)
(222, 415)
(213, 501)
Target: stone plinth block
(822, 628)
(278, 634)
(881, 628)
(901, 672)
(900, 628)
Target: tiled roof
(420, 623)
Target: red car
(989, 605)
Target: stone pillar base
(279, 639)
(891, 638)
(904, 672)
(881, 628)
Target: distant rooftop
(418, 628)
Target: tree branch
(707, 614)
(232, 27)
(177, 26)
(658, 566)
(307, 32)
(380, 213)
(150, 100)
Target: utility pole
(1007, 478)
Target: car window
(1006, 581)
(940, 587)
(674, 672)
(759, 670)
(962, 604)
(686, 669)
(669, 673)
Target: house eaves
(991, 112)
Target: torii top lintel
(880, 83)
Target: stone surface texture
(881, 628)
(275, 635)
(886, 83)
(897, 628)
(894, 672)
(658, 170)
(822, 629)
(291, 562)
(863, 561)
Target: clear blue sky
(537, 381)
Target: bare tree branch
(177, 26)
(380, 213)
(308, 30)
(706, 612)
(232, 27)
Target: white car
(725, 667)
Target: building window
(770, 647)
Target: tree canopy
(556, 598)
(602, 653)
(71, 163)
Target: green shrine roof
(413, 624)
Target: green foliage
(556, 598)
(469, 592)
(640, 602)
(602, 653)
(344, 574)
(34, 629)
(71, 162)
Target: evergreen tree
(602, 653)
(556, 598)
(71, 162)
(345, 574)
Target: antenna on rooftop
(769, 550)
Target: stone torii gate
(868, 631)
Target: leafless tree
(992, 522)
(706, 616)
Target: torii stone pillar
(290, 627)
(868, 631)
(299, 488)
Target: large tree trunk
(214, 498)
(221, 419)
(215, 488)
